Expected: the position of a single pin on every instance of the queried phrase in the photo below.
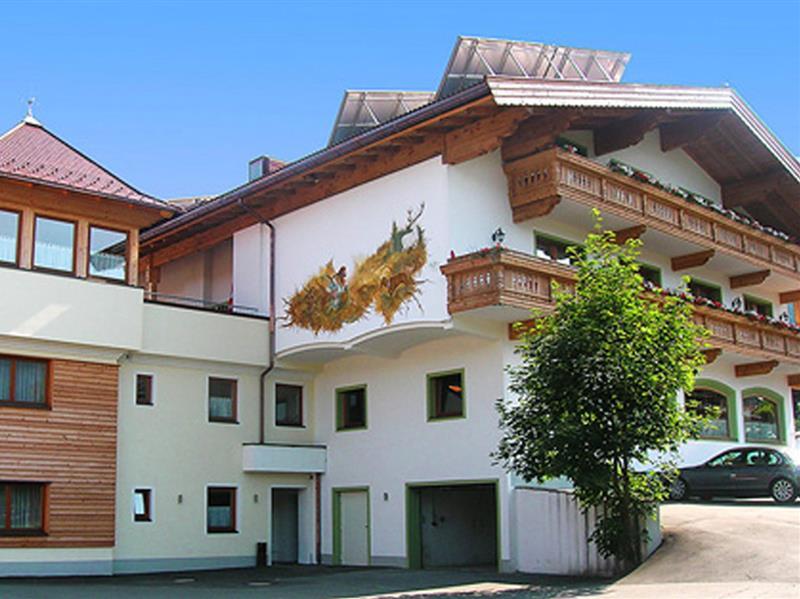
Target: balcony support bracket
(691, 260)
(755, 368)
(712, 354)
(635, 232)
(750, 278)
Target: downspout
(271, 326)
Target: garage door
(453, 525)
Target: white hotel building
(304, 369)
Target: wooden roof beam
(691, 260)
(751, 278)
(755, 368)
(680, 133)
(623, 134)
(756, 189)
(481, 136)
(537, 133)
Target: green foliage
(597, 386)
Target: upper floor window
(761, 422)
(446, 395)
(9, 236)
(21, 508)
(650, 274)
(23, 382)
(54, 244)
(288, 405)
(706, 290)
(552, 248)
(142, 509)
(221, 400)
(754, 304)
(107, 253)
(796, 410)
(351, 408)
(707, 401)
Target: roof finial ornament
(29, 118)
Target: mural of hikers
(384, 281)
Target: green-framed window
(710, 291)
(351, 408)
(709, 396)
(796, 410)
(553, 248)
(446, 398)
(756, 304)
(764, 417)
(650, 274)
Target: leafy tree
(597, 386)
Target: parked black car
(741, 472)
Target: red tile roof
(31, 152)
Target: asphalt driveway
(747, 550)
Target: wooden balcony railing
(503, 277)
(536, 184)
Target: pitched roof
(30, 152)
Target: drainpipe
(271, 326)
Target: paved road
(742, 550)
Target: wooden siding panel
(73, 447)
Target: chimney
(257, 168)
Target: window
(552, 248)
(760, 419)
(107, 253)
(706, 290)
(650, 274)
(9, 236)
(141, 505)
(21, 508)
(54, 245)
(288, 405)
(445, 395)
(706, 400)
(763, 457)
(144, 389)
(351, 409)
(754, 304)
(796, 410)
(23, 382)
(221, 400)
(221, 510)
(729, 458)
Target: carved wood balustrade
(502, 277)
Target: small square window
(144, 389)
(22, 507)
(221, 400)
(24, 382)
(351, 408)
(446, 395)
(221, 509)
(288, 405)
(142, 511)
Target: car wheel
(783, 490)
(678, 490)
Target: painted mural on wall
(384, 282)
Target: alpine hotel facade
(304, 369)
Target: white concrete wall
(250, 268)
(172, 449)
(206, 275)
(399, 445)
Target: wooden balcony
(536, 184)
(505, 278)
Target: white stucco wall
(399, 446)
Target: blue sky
(177, 97)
